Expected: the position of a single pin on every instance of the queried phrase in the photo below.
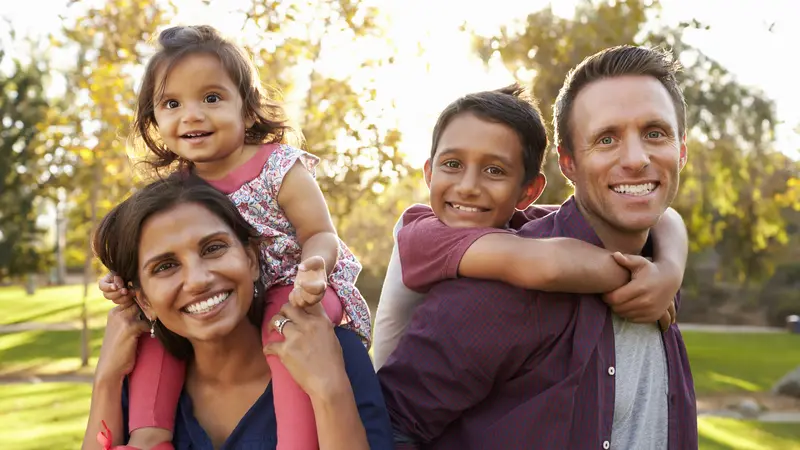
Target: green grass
(729, 434)
(51, 305)
(43, 416)
(46, 352)
(735, 363)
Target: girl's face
(196, 277)
(200, 114)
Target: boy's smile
(476, 175)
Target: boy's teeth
(465, 208)
(206, 305)
(635, 189)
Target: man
(488, 365)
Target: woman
(192, 261)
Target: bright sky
(422, 84)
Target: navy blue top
(257, 430)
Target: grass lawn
(53, 415)
(727, 362)
(52, 304)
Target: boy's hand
(310, 282)
(114, 289)
(650, 294)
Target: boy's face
(475, 177)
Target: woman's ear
(144, 304)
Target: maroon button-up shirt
(485, 365)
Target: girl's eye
(212, 98)
(170, 104)
(495, 170)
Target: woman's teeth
(207, 305)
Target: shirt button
(606, 444)
(611, 372)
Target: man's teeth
(207, 305)
(635, 189)
(465, 208)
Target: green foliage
(735, 188)
(23, 108)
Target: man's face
(627, 154)
(476, 176)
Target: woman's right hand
(118, 353)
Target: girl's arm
(301, 199)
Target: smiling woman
(194, 267)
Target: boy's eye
(452, 164)
(170, 104)
(212, 98)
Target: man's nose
(635, 156)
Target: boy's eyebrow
(502, 158)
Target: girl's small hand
(311, 352)
(114, 289)
(310, 283)
(118, 353)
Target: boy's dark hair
(175, 43)
(610, 63)
(510, 106)
(116, 240)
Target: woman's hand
(118, 353)
(311, 352)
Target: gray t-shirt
(641, 387)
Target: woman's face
(196, 276)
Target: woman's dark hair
(116, 240)
(271, 124)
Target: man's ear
(428, 172)
(531, 192)
(684, 154)
(566, 162)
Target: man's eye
(654, 134)
(606, 141)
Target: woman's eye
(213, 248)
(162, 267)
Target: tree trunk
(87, 266)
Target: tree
(109, 43)
(23, 107)
(734, 175)
(340, 113)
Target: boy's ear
(428, 172)
(531, 191)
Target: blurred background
(365, 81)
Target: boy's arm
(671, 248)
(395, 308)
(552, 264)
